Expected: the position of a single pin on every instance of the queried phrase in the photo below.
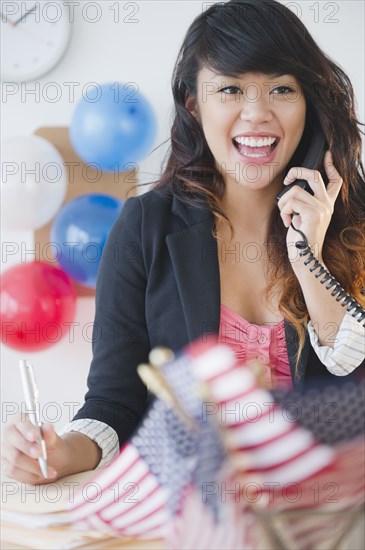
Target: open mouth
(255, 152)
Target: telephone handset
(314, 161)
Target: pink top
(266, 343)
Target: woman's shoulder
(151, 214)
(155, 199)
(159, 209)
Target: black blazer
(158, 284)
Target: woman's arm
(341, 339)
(326, 314)
(116, 395)
(84, 454)
(337, 338)
(313, 216)
(103, 435)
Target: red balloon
(37, 301)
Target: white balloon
(33, 182)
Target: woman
(248, 83)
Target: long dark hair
(265, 36)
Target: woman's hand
(20, 450)
(313, 212)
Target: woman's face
(227, 108)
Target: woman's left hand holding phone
(314, 212)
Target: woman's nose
(256, 114)
(255, 107)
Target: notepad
(44, 499)
(36, 516)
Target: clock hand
(23, 29)
(6, 19)
(24, 14)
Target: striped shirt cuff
(101, 433)
(348, 350)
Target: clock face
(34, 36)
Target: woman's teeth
(255, 148)
(255, 142)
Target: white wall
(144, 53)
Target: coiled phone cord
(338, 291)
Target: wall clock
(34, 37)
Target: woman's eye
(230, 88)
(288, 90)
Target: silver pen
(31, 395)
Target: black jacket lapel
(195, 261)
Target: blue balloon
(79, 232)
(113, 125)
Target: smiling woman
(248, 85)
(242, 74)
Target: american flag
(296, 478)
(155, 469)
(236, 476)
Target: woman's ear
(190, 104)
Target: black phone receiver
(313, 160)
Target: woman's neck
(248, 210)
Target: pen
(31, 395)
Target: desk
(28, 502)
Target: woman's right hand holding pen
(20, 451)
(68, 454)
